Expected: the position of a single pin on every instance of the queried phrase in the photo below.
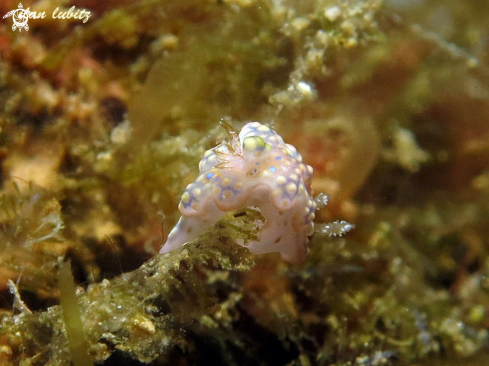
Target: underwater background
(103, 124)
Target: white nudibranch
(255, 169)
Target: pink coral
(255, 169)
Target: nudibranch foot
(280, 235)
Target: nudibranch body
(255, 169)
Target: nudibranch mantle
(254, 169)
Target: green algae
(72, 318)
(143, 313)
(31, 223)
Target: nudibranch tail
(256, 168)
(188, 228)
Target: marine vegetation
(372, 114)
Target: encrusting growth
(254, 169)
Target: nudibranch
(254, 169)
